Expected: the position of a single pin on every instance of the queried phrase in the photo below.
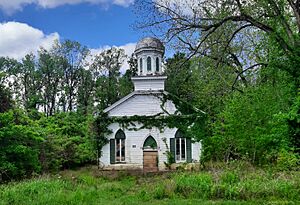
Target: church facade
(146, 148)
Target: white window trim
(120, 150)
(180, 150)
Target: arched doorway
(150, 155)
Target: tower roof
(150, 43)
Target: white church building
(146, 148)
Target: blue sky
(92, 25)
(29, 24)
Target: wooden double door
(150, 163)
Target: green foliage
(179, 73)
(88, 186)
(293, 119)
(194, 185)
(42, 145)
(19, 138)
(100, 131)
(229, 178)
(169, 154)
(68, 141)
(287, 160)
(5, 99)
(251, 126)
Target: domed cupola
(149, 52)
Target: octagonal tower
(149, 52)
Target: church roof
(124, 99)
(150, 43)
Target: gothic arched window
(117, 148)
(157, 64)
(150, 143)
(149, 63)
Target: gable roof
(151, 92)
(127, 97)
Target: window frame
(120, 142)
(118, 150)
(141, 64)
(149, 64)
(181, 158)
(157, 64)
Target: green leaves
(250, 127)
(19, 139)
(46, 144)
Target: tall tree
(5, 96)
(73, 56)
(192, 24)
(107, 66)
(51, 71)
(31, 82)
(86, 87)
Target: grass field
(216, 185)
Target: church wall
(134, 144)
(149, 85)
(141, 105)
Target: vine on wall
(190, 120)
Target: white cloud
(128, 48)
(10, 6)
(18, 39)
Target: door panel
(150, 161)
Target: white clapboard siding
(134, 155)
(147, 83)
(142, 104)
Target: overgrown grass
(226, 185)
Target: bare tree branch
(245, 70)
(296, 10)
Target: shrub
(287, 160)
(68, 143)
(19, 138)
(194, 185)
(251, 126)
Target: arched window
(157, 64)
(141, 65)
(181, 147)
(149, 63)
(150, 143)
(117, 148)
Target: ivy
(187, 118)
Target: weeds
(221, 186)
